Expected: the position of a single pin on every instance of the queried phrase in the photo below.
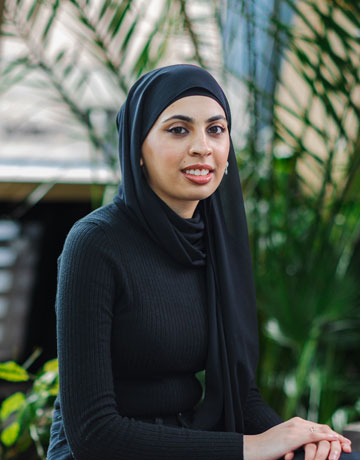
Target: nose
(200, 145)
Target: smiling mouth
(198, 175)
(197, 172)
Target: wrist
(251, 447)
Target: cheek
(170, 154)
(223, 153)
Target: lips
(198, 173)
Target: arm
(87, 286)
(258, 415)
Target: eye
(177, 130)
(216, 129)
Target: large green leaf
(12, 372)
(10, 434)
(11, 404)
(51, 366)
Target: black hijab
(216, 237)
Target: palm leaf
(302, 250)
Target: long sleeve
(87, 286)
(259, 416)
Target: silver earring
(226, 168)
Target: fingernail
(335, 455)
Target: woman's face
(185, 152)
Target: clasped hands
(320, 442)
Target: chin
(207, 193)
(201, 196)
(196, 195)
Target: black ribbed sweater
(131, 326)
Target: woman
(158, 286)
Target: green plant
(78, 59)
(301, 178)
(115, 41)
(26, 416)
(299, 161)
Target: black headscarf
(216, 237)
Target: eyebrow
(191, 120)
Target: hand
(323, 450)
(282, 440)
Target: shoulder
(110, 230)
(95, 241)
(101, 224)
(90, 234)
(104, 218)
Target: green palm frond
(302, 189)
(114, 40)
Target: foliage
(111, 41)
(13, 372)
(82, 80)
(26, 417)
(301, 160)
(79, 58)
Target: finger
(324, 432)
(327, 429)
(317, 436)
(346, 447)
(344, 440)
(289, 456)
(335, 450)
(323, 449)
(310, 451)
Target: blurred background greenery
(291, 70)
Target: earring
(226, 168)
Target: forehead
(196, 107)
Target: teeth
(197, 172)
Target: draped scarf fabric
(216, 237)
